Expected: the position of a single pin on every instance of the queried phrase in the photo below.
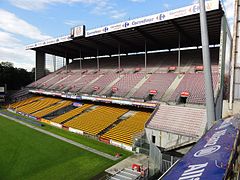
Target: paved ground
(21, 119)
(140, 159)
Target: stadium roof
(160, 31)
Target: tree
(15, 78)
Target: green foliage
(28, 154)
(15, 78)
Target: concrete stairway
(172, 88)
(138, 85)
(110, 85)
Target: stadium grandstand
(138, 84)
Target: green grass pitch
(28, 154)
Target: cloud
(166, 6)
(11, 23)
(137, 1)
(12, 50)
(73, 23)
(99, 7)
(7, 40)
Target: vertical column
(207, 66)
(67, 61)
(119, 57)
(54, 63)
(80, 59)
(98, 60)
(145, 58)
(40, 65)
(179, 52)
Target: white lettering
(194, 172)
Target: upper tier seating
(101, 83)
(126, 83)
(129, 82)
(82, 82)
(39, 82)
(193, 83)
(95, 121)
(159, 82)
(125, 130)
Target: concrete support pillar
(40, 65)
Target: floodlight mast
(207, 66)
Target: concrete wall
(166, 139)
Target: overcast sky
(23, 22)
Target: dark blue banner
(209, 158)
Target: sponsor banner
(78, 97)
(56, 94)
(104, 100)
(127, 147)
(32, 117)
(115, 143)
(33, 91)
(107, 141)
(77, 104)
(49, 42)
(121, 145)
(65, 127)
(88, 98)
(56, 124)
(63, 95)
(75, 131)
(46, 93)
(73, 97)
(177, 13)
(45, 121)
(68, 96)
(209, 158)
(121, 102)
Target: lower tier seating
(70, 114)
(95, 121)
(52, 108)
(38, 105)
(24, 102)
(125, 130)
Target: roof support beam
(123, 42)
(100, 44)
(147, 36)
(183, 33)
(56, 52)
(76, 44)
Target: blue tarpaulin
(210, 157)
